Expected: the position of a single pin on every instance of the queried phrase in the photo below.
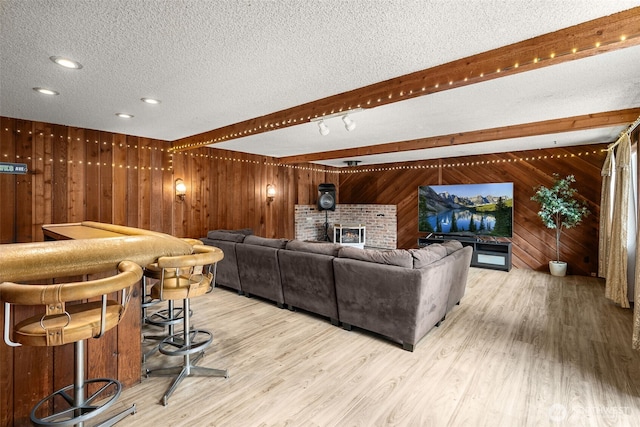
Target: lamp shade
(181, 188)
(271, 191)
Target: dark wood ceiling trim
(569, 124)
(605, 34)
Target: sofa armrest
(458, 283)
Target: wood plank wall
(228, 190)
(77, 174)
(533, 244)
(80, 174)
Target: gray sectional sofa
(400, 294)
(259, 269)
(227, 269)
(307, 277)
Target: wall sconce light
(271, 192)
(181, 189)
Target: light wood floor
(523, 349)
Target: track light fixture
(349, 124)
(324, 129)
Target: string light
(422, 89)
(213, 157)
(178, 148)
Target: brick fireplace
(380, 222)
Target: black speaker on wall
(327, 197)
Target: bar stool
(185, 277)
(165, 318)
(152, 271)
(73, 323)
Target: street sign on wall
(13, 168)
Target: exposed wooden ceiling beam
(569, 124)
(601, 35)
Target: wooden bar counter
(28, 374)
(76, 231)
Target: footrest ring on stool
(149, 302)
(87, 409)
(174, 345)
(164, 318)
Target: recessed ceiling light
(150, 100)
(45, 91)
(124, 115)
(66, 62)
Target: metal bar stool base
(165, 317)
(173, 340)
(76, 414)
(118, 417)
(182, 372)
(175, 345)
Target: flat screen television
(466, 209)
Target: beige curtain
(616, 280)
(635, 342)
(605, 214)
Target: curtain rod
(633, 125)
(630, 129)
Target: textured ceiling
(216, 63)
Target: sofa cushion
(324, 248)
(265, 241)
(428, 255)
(398, 257)
(226, 236)
(245, 231)
(452, 246)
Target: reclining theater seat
(382, 291)
(306, 271)
(227, 269)
(258, 267)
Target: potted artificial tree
(559, 209)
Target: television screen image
(466, 209)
